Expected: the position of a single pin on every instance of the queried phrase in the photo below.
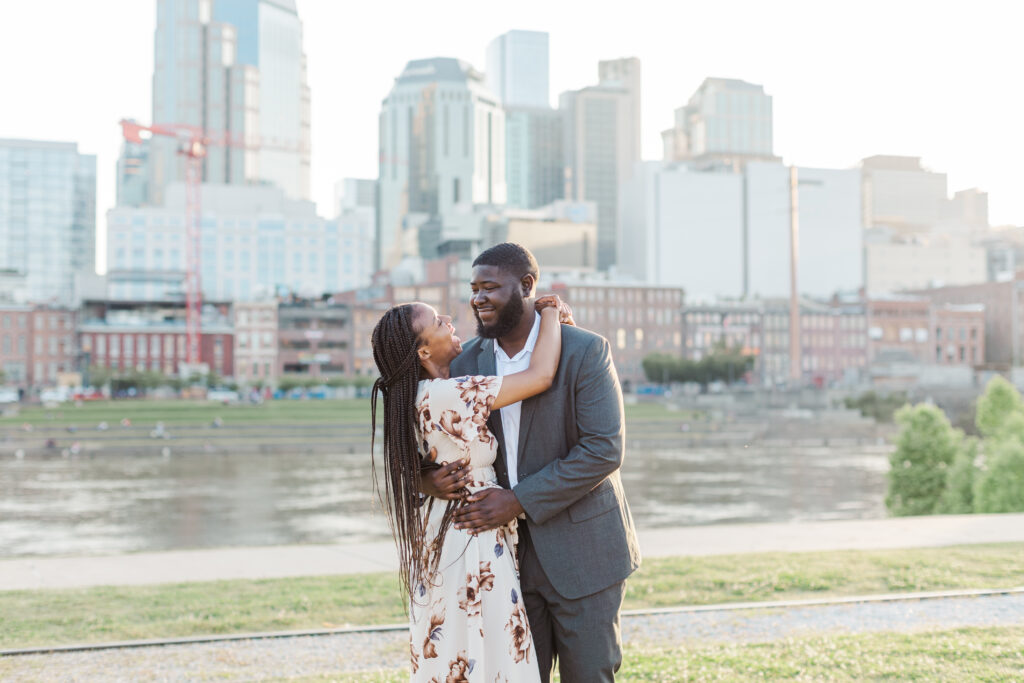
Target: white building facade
(725, 234)
(254, 243)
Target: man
(558, 461)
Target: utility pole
(795, 370)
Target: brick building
(151, 336)
(932, 332)
(832, 338)
(314, 338)
(1003, 317)
(636, 320)
(36, 344)
(256, 342)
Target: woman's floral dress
(468, 622)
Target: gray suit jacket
(570, 450)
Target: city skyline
(917, 92)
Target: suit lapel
(529, 407)
(486, 365)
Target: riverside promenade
(31, 573)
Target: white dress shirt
(510, 414)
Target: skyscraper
(442, 151)
(601, 142)
(517, 73)
(534, 157)
(236, 69)
(47, 217)
(726, 120)
(517, 69)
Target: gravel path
(258, 659)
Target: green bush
(958, 497)
(1000, 486)
(924, 451)
(881, 408)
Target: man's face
(497, 301)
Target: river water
(122, 503)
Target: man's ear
(528, 283)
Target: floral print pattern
(467, 622)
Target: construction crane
(193, 142)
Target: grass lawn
(51, 617)
(954, 655)
(282, 412)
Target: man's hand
(446, 482)
(487, 509)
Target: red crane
(193, 143)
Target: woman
(467, 619)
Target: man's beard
(508, 317)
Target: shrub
(925, 448)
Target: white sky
(940, 80)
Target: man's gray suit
(579, 528)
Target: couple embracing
(502, 485)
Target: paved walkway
(284, 561)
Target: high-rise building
(236, 69)
(719, 233)
(254, 243)
(354, 193)
(902, 195)
(517, 69)
(47, 218)
(601, 142)
(830, 237)
(725, 120)
(534, 157)
(685, 229)
(442, 151)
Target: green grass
(283, 412)
(173, 412)
(125, 613)
(984, 654)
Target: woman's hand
(554, 301)
(447, 482)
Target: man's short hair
(510, 257)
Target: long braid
(394, 351)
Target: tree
(722, 364)
(100, 376)
(996, 405)
(925, 448)
(1000, 486)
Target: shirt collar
(531, 343)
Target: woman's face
(439, 343)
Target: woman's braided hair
(395, 346)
